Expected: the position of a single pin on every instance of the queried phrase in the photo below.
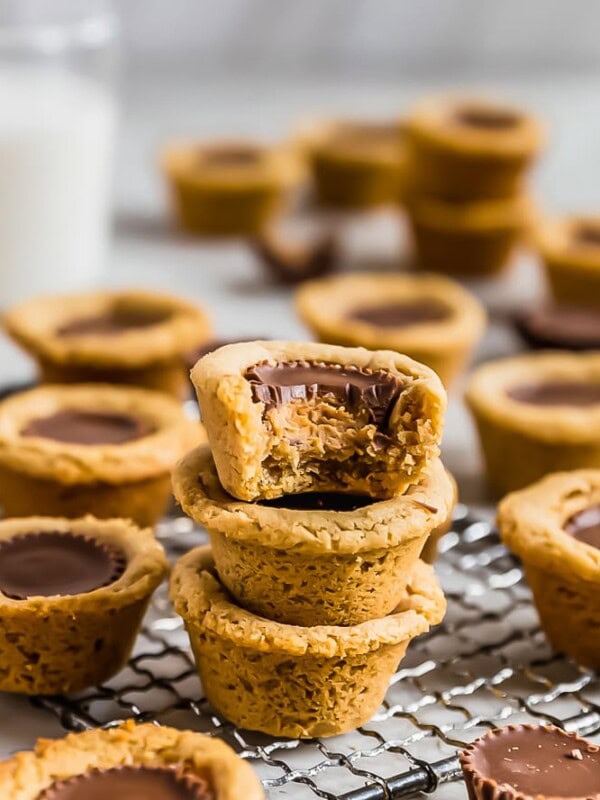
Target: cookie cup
(313, 566)
(286, 680)
(445, 344)
(27, 775)
(317, 443)
(563, 572)
(61, 644)
(150, 355)
(570, 253)
(456, 151)
(130, 480)
(522, 442)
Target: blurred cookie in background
(556, 327)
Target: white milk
(56, 142)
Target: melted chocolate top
(492, 119)
(585, 526)
(319, 501)
(539, 762)
(51, 563)
(88, 427)
(556, 393)
(113, 322)
(131, 783)
(562, 327)
(587, 234)
(400, 315)
(276, 384)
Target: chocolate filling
(49, 563)
(113, 322)
(276, 384)
(562, 327)
(585, 526)
(234, 156)
(542, 762)
(556, 393)
(587, 234)
(88, 427)
(400, 315)
(131, 783)
(487, 118)
(319, 501)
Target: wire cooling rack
(486, 664)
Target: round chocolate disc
(56, 563)
(400, 315)
(585, 526)
(88, 427)
(113, 322)
(561, 327)
(556, 393)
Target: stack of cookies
(467, 160)
(319, 489)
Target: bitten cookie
(554, 528)
(129, 761)
(72, 597)
(287, 680)
(288, 417)
(315, 558)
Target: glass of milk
(57, 128)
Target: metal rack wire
(486, 664)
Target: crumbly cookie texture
(60, 644)
(563, 572)
(317, 442)
(305, 565)
(27, 774)
(294, 681)
(522, 442)
(327, 306)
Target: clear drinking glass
(57, 130)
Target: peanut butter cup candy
(536, 414)
(554, 528)
(570, 253)
(137, 338)
(316, 558)
(470, 149)
(289, 680)
(531, 762)
(72, 597)
(129, 761)
(290, 417)
(428, 317)
(93, 448)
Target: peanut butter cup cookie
(315, 558)
(228, 188)
(470, 149)
(570, 252)
(357, 164)
(554, 528)
(104, 450)
(531, 762)
(72, 597)
(287, 680)
(469, 239)
(430, 318)
(129, 761)
(536, 414)
(291, 417)
(132, 337)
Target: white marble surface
(224, 277)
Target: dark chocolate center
(234, 156)
(276, 384)
(400, 315)
(493, 119)
(539, 762)
(52, 563)
(113, 322)
(319, 501)
(556, 393)
(565, 327)
(585, 526)
(88, 427)
(131, 783)
(587, 234)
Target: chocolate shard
(290, 262)
(585, 526)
